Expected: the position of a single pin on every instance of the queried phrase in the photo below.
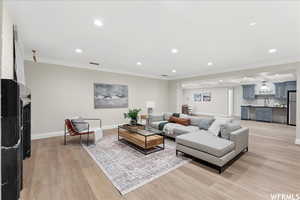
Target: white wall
(237, 100)
(60, 92)
(297, 141)
(7, 45)
(217, 106)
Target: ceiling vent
(164, 75)
(94, 63)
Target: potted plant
(133, 115)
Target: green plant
(132, 114)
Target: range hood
(265, 89)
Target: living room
(150, 100)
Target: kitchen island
(273, 114)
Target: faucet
(266, 101)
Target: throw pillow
(176, 115)
(79, 124)
(205, 123)
(167, 116)
(182, 121)
(156, 118)
(227, 129)
(195, 120)
(184, 116)
(215, 126)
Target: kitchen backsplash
(260, 101)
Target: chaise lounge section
(217, 141)
(212, 149)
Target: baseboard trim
(61, 133)
(297, 141)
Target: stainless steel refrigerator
(292, 109)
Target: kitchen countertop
(258, 106)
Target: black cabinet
(26, 115)
(249, 92)
(11, 140)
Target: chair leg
(87, 141)
(65, 135)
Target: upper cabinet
(282, 88)
(291, 85)
(249, 92)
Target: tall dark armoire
(11, 140)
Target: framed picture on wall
(206, 96)
(197, 97)
(110, 96)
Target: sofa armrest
(240, 138)
(156, 118)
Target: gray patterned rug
(129, 169)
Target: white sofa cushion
(206, 142)
(216, 125)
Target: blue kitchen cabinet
(249, 92)
(291, 85)
(245, 113)
(264, 114)
(281, 89)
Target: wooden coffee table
(145, 141)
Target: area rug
(129, 169)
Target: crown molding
(87, 67)
(290, 61)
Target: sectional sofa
(212, 139)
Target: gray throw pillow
(79, 124)
(156, 118)
(167, 116)
(205, 123)
(195, 121)
(228, 128)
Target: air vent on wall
(94, 63)
(164, 75)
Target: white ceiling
(233, 81)
(141, 31)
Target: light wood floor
(272, 165)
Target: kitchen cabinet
(264, 114)
(291, 85)
(245, 113)
(249, 92)
(281, 89)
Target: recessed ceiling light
(221, 81)
(174, 70)
(78, 50)
(138, 63)
(272, 50)
(98, 23)
(174, 51)
(209, 63)
(252, 24)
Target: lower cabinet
(263, 114)
(245, 113)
